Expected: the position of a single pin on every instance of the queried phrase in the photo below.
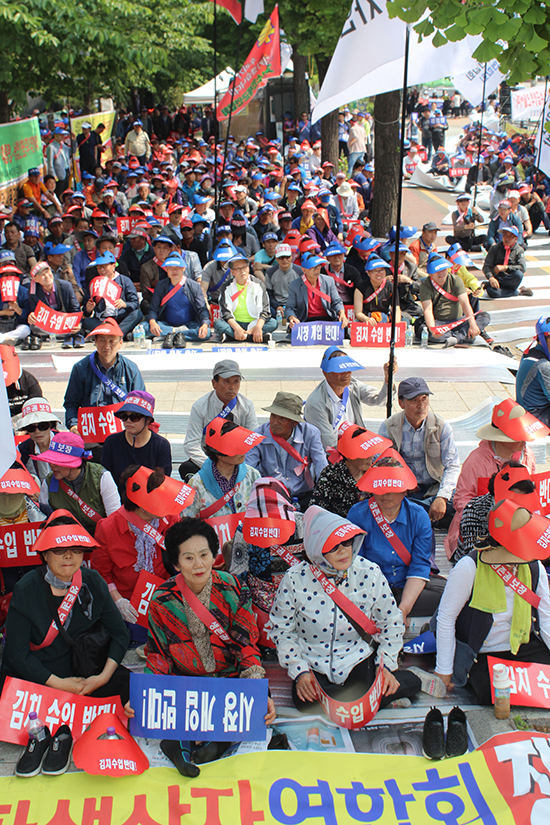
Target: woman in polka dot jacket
(312, 634)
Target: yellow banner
(275, 788)
(108, 120)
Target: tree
(516, 32)
(384, 207)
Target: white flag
(286, 55)
(368, 59)
(470, 80)
(7, 441)
(252, 8)
(542, 158)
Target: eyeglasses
(42, 426)
(60, 551)
(129, 416)
(346, 543)
(283, 257)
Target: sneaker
(433, 735)
(36, 342)
(451, 341)
(486, 337)
(223, 338)
(209, 751)
(31, 760)
(78, 341)
(179, 754)
(168, 342)
(179, 340)
(267, 337)
(404, 702)
(67, 342)
(58, 756)
(430, 683)
(525, 291)
(457, 733)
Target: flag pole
(480, 133)
(215, 221)
(398, 227)
(234, 83)
(542, 120)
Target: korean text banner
(108, 120)
(263, 62)
(503, 783)
(183, 707)
(20, 150)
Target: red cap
(109, 757)
(107, 327)
(308, 204)
(64, 535)
(508, 477)
(17, 479)
(229, 439)
(169, 498)
(174, 207)
(383, 478)
(525, 535)
(356, 442)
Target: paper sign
(324, 333)
(356, 714)
(226, 526)
(529, 682)
(376, 335)
(146, 585)
(215, 313)
(350, 312)
(542, 486)
(54, 707)
(16, 542)
(457, 172)
(198, 708)
(9, 287)
(95, 424)
(50, 320)
(105, 288)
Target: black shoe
(58, 756)
(178, 753)
(31, 760)
(266, 338)
(168, 342)
(179, 340)
(129, 336)
(433, 736)
(457, 734)
(67, 342)
(25, 343)
(487, 338)
(36, 342)
(209, 751)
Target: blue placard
(239, 349)
(198, 708)
(192, 351)
(324, 333)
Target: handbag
(89, 648)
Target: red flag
(233, 7)
(263, 62)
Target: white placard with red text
(376, 335)
(95, 424)
(52, 321)
(146, 585)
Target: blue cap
(311, 261)
(174, 259)
(224, 251)
(369, 168)
(152, 221)
(162, 239)
(106, 258)
(87, 176)
(270, 236)
(436, 263)
(267, 208)
(201, 199)
(512, 229)
(198, 218)
(257, 176)
(323, 194)
(334, 249)
(272, 196)
(237, 256)
(406, 232)
(7, 255)
(340, 362)
(365, 244)
(57, 249)
(138, 123)
(294, 188)
(374, 262)
(34, 171)
(223, 227)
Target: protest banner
(108, 120)
(376, 335)
(322, 333)
(95, 424)
(458, 171)
(350, 312)
(356, 714)
(103, 287)
(225, 526)
(20, 150)
(529, 682)
(146, 585)
(542, 486)
(504, 782)
(195, 707)
(16, 542)
(9, 287)
(54, 322)
(527, 103)
(54, 707)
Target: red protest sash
(337, 278)
(240, 292)
(293, 452)
(219, 503)
(173, 291)
(393, 539)
(507, 250)
(86, 509)
(145, 527)
(443, 291)
(368, 298)
(348, 608)
(440, 330)
(342, 213)
(514, 584)
(63, 611)
(315, 291)
(201, 611)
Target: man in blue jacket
(54, 293)
(533, 376)
(178, 309)
(313, 296)
(125, 308)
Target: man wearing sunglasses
(138, 443)
(39, 423)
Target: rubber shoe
(433, 735)
(31, 760)
(430, 683)
(457, 733)
(486, 337)
(451, 342)
(168, 342)
(179, 340)
(179, 754)
(525, 291)
(78, 341)
(36, 342)
(58, 756)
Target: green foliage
(516, 32)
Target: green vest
(89, 493)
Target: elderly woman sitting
(482, 613)
(180, 643)
(315, 639)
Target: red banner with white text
(54, 322)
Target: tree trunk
(301, 88)
(329, 123)
(386, 132)
(5, 108)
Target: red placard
(356, 714)
(226, 526)
(457, 172)
(50, 320)
(529, 682)
(542, 486)
(103, 287)
(350, 312)
(376, 335)
(96, 423)
(16, 542)
(215, 313)
(125, 225)
(146, 585)
(9, 287)
(54, 707)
